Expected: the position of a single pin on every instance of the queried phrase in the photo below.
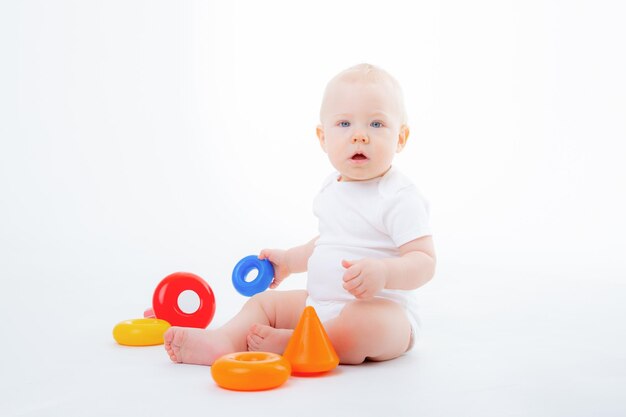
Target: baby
(374, 245)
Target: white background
(139, 138)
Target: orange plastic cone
(309, 350)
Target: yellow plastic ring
(250, 371)
(140, 332)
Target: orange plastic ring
(250, 371)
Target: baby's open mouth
(358, 157)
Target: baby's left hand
(364, 278)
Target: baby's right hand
(278, 258)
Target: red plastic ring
(165, 300)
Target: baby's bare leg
(376, 329)
(202, 347)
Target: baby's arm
(414, 268)
(287, 262)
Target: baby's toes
(254, 342)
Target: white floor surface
(493, 344)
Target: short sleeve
(405, 216)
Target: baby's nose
(360, 138)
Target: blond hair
(369, 73)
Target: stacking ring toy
(250, 371)
(257, 285)
(165, 300)
(140, 332)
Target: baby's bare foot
(195, 346)
(268, 339)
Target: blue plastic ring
(257, 285)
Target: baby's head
(363, 122)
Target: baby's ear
(320, 135)
(403, 136)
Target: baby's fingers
(351, 273)
(363, 294)
(272, 255)
(352, 284)
(274, 284)
(359, 291)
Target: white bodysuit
(362, 219)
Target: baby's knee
(371, 328)
(365, 316)
(350, 348)
(261, 302)
(348, 345)
(349, 334)
(263, 298)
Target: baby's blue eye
(376, 124)
(344, 124)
